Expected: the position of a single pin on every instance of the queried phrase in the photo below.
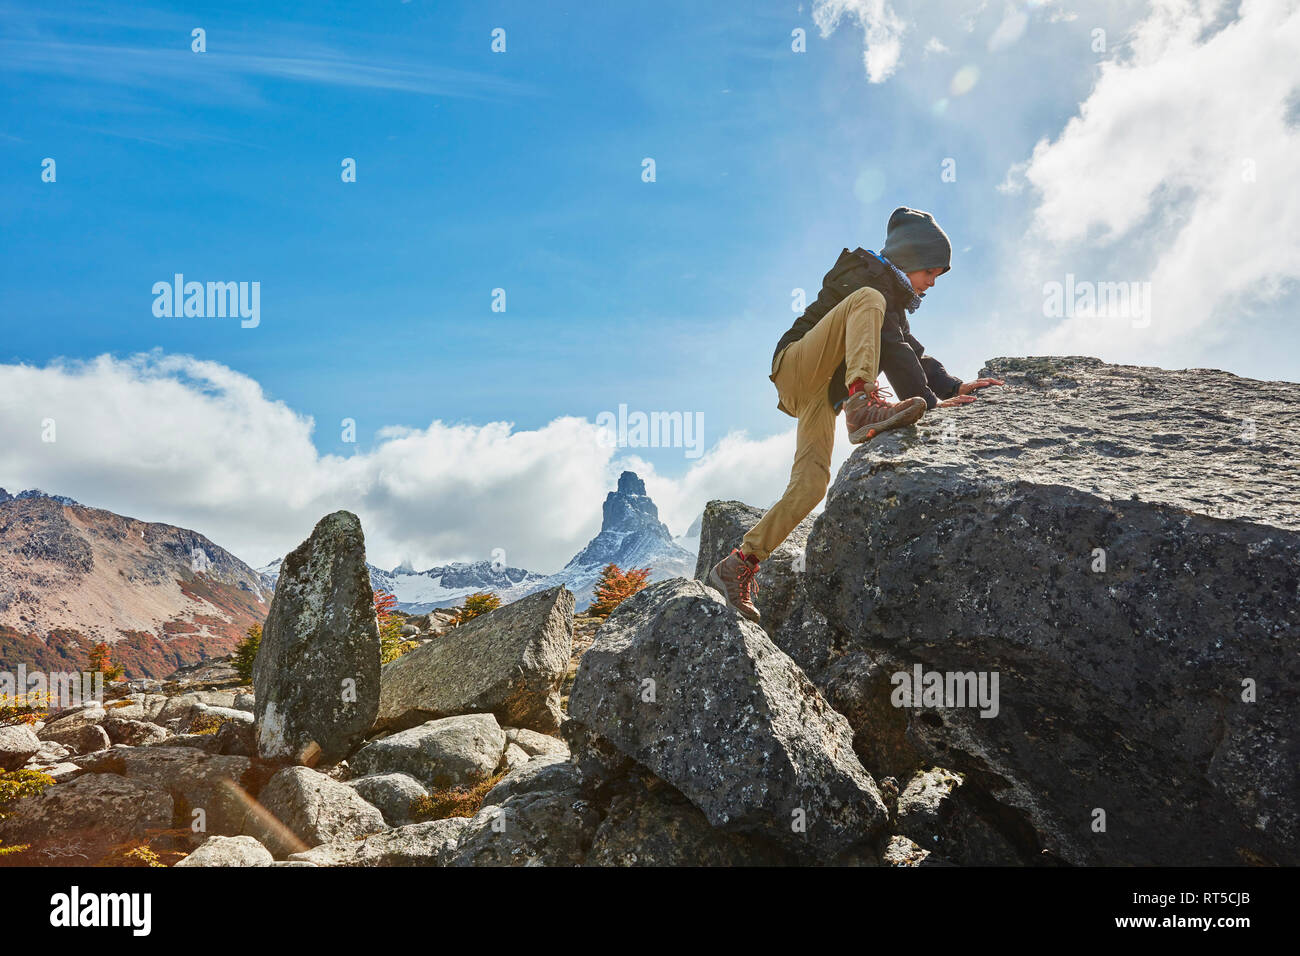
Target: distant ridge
(71, 575)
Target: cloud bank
(176, 439)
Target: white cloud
(935, 45)
(174, 439)
(1151, 180)
(882, 32)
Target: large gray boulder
(703, 698)
(509, 662)
(209, 791)
(1119, 545)
(18, 744)
(228, 851)
(451, 752)
(300, 808)
(419, 844)
(316, 677)
(75, 823)
(780, 575)
(86, 739)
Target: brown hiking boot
(734, 577)
(867, 413)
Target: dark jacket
(902, 358)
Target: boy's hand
(965, 388)
(964, 394)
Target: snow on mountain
(420, 591)
(270, 573)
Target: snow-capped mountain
(447, 586)
(631, 536)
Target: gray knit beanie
(916, 242)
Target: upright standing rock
(316, 677)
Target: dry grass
(454, 801)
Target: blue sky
(522, 170)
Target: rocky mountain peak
(629, 483)
(631, 536)
(629, 509)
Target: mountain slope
(71, 576)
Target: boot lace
(878, 395)
(745, 579)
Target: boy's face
(923, 279)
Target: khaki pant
(848, 333)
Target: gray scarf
(905, 284)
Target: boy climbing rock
(830, 358)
